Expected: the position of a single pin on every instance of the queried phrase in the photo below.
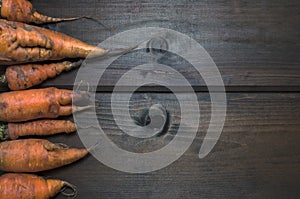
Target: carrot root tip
(119, 51)
(76, 64)
(82, 108)
(93, 147)
(95, 20)
(82, 96)
(3, 132)
(61, 146)
(71, 187)
(80, 90)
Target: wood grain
(257, 156)
(254, 43)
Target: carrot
(23, 11)
(20, 77)
(19, 106)
(18, 186)
(22, 43)
(40, 127)
(35, 155)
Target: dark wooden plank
(256, 47)
(254, 43)
(257, 156)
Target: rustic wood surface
(255, 45)
(257, 156)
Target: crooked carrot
(20, 77)
(22, 43)
(40, 127)
(35, 155)
(19, 106)
(20, 186)
(23, 11)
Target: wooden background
(255, 45)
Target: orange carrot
(22, 43)
(34, 155)
(23, 11)
(19, 106)
(18, 186)
(20, 77)
(40, 127)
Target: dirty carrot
(40, 127)
(18, 186)
(22, 43)
(23, 11)
(20, 106)
(20, 77)
(34, 155)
